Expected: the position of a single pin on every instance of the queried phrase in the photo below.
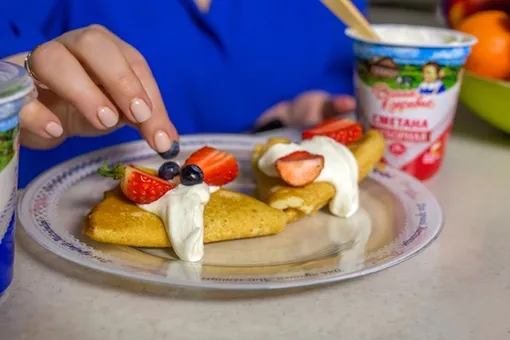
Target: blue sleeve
(24, 24)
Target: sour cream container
(16, 88)
(407, 87)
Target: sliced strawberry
(139, 186)
(300, 168)
(344, 131)
(146, 170)
(219, 167)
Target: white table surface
(457, 289)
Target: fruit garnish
(146, 170)
(300, 168)
(169, 170)
(344, 131)
(219, 167)
(138, 186)
(173, 152)
(191, 174)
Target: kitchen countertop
(458, 288)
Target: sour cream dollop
(182, 212)
(340, 169)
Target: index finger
(158, 130)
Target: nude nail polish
(162, 142)
(107, 117)
(55, 130)
(140, 110)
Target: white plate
(398, 218)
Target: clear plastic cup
(407, 87)
(16, 88)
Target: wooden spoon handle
(351, 16)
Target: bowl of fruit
(486, 83)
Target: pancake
(228, 215)
(298, 202)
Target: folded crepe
(228, 215)
(298, 202)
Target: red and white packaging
(407, 87)
(416, 127)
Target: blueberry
(191, 175)
(173, 152)
(169, 170)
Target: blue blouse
(217, 71)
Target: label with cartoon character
(9, 147)
(410, 94)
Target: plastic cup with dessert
(16, 89)
(407, 86)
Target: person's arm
(21, 29)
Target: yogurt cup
(407, 87)
(16, 88)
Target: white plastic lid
(15, 82)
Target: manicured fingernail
(107, 117)
(173, 152)
(162, 141)
(140, 110)
(54, 129)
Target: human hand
(309, 108)
(96, 84)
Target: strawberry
(139, 186)
(300, 168)
(344, 131)
(219, 167)
(146, 170)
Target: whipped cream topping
(182, 212)
(340, 169)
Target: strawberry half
(219, 167)
(146, 170)
(300, 168)
(137, 185)
(344, 131)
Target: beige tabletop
(458, 288)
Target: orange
(490, 57)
